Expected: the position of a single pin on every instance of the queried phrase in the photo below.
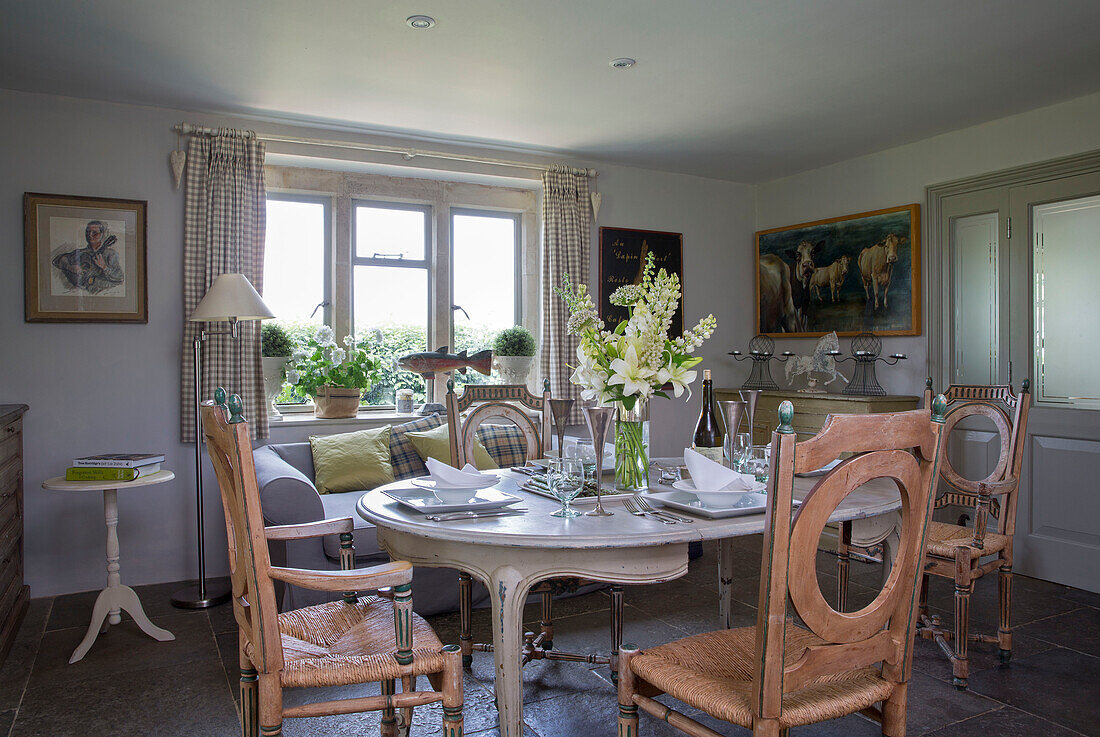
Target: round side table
(116, 596)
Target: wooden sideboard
(810, 410)
(13, 592)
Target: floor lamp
(231, 298)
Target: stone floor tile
(16, 669)
(74, 610)
(930, 659)
(1077, 630)
(7, 718)
(594, 712)
(1077, 596)
(174, 701)
(1004, 722)
(934, 704)
(121, 648)
(1031, 600)
(1052, 685)
(221, 618)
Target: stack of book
(114, 467)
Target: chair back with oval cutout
(903, 447)
(254, 606)
(1008, 412)
(505, 401)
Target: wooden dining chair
(359, 639)
(515, 403)
(782, 673)
(957, 551)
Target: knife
(475, 515)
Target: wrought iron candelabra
(761, 351)
(866, 348)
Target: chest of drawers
(13, 592)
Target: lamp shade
(230, 297)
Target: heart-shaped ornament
(177, 159)
(596, 198)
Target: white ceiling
(746, 90)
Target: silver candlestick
(599, 420)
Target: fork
(645, 506)
(632, 507)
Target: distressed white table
(511, 554)
(116, 597)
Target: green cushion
(436, 444)
(353, 461)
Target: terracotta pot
(332, 402)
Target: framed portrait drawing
(623, 253)
(851, 274)
(84, 259)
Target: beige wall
(898, 176)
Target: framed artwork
(623, 253)
(84, 259)
(852, 274)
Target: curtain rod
(187, 129)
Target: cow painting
(778, 313)
(849, 274)
(831, 276)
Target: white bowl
(722, 499)
(455, 496)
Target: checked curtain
(567, 244)
(225, 215)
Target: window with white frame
(405, 264)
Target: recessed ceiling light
(623, 62)
(420, 22)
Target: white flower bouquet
(627, 366)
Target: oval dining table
(512, 554)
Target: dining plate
(751, 503)
(423, 500)
(426, 482)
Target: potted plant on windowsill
(334, 377)
(275, 350)
(513, 353)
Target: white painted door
(1022, 278)
(1055, 339)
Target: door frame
(938, 316)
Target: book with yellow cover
(100, 473)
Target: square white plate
(422, 500)
(688, 502)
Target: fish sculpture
(429, 363)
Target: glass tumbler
(757, 462)
(736, 448)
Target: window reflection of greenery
(397, 341)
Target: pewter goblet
(751, 396)
(599, 422)
(559, 410)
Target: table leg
(725, 582)
(890, 550)
(116, 597)
(509, 591)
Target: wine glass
(757, 462)
(736, 448)
(585, 452)
(565, 477)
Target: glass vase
(632, 447)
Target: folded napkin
(710, 476)
(453, 478)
